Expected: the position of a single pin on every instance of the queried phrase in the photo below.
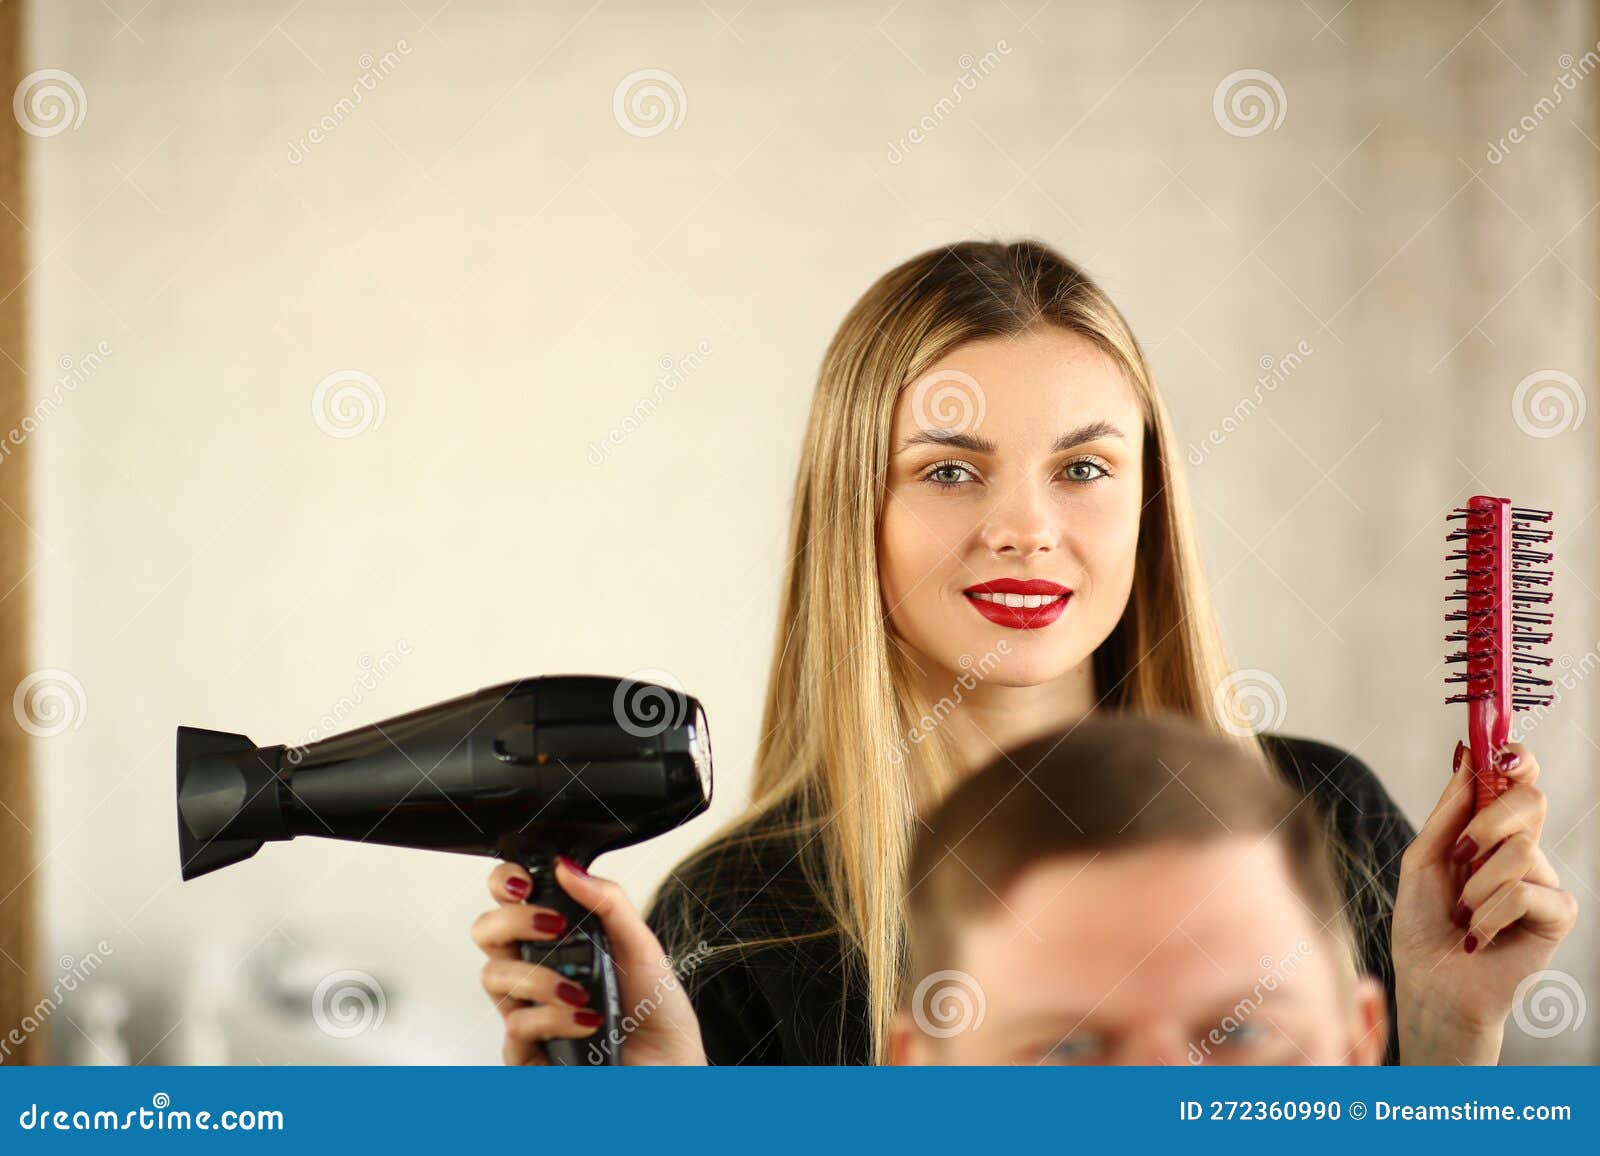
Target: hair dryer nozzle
(213, 789)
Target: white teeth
(1019, 600)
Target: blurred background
(361, 354)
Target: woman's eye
(947, 469)
(1087, 471)
(951, 474)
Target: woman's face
(1013, 460)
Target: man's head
(1136, 890)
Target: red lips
(1018, 586)
(1020, 617)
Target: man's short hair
(1110, 782)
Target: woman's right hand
(537, 1004)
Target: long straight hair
(841, 695)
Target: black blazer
(805, 1003)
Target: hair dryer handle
(582, 955)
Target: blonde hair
(840, 695)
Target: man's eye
(1077, 1049)
(1243, 1034)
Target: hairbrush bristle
(1501, 567)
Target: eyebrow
(972, 443)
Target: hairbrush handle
(1489, 717)
(1487, 732)
(1501, 620)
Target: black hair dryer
(561, 765)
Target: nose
(1021, 524)
(1151, 1045)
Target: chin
(1013, 669)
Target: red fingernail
(1463, 916)
(1466, 847)
(1510, 762)
(551, 922)
(587, 1019)
(571, 993)
(1455, 762)
(573, 864)
(517, 887)
(1471, 943)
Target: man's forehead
(1230, 899)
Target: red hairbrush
(1504, 586)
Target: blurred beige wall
(502, 262)
(20, 971)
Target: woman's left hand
(1464, 940)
